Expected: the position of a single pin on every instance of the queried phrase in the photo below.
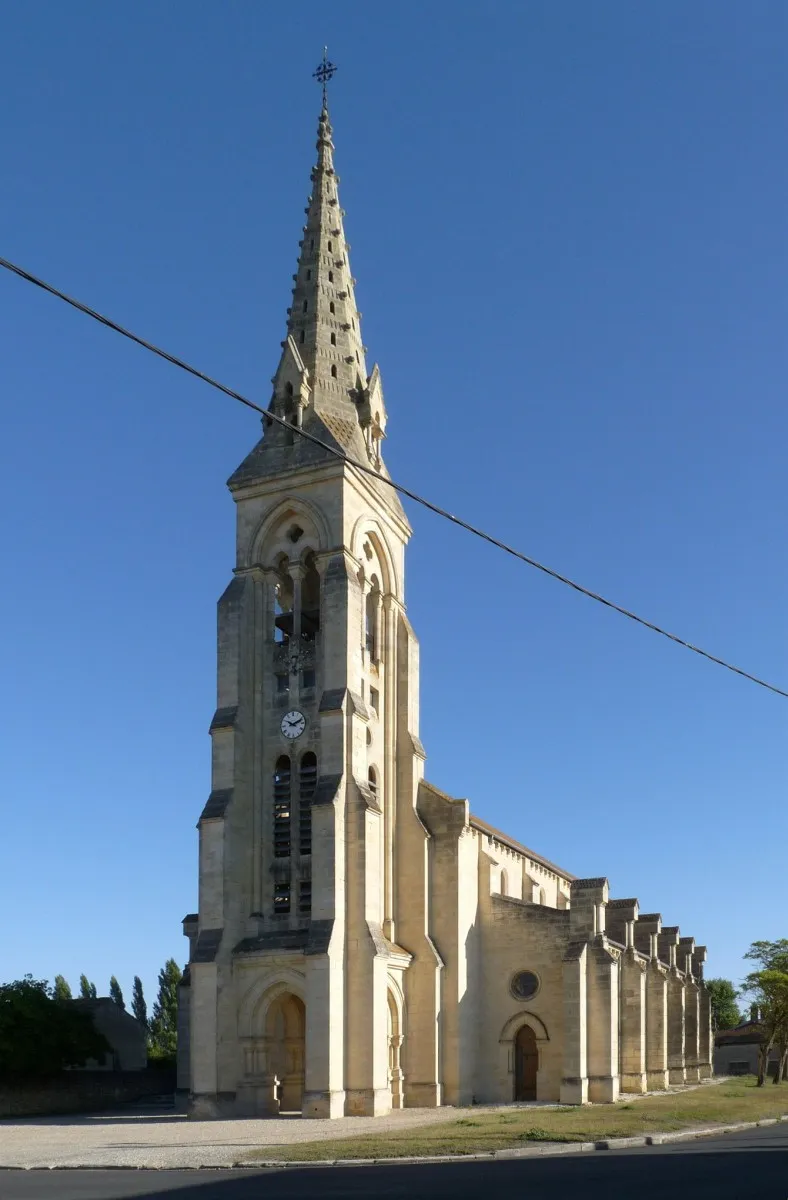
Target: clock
(293, 724)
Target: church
(364, 942)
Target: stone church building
(363, 941)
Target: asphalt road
(742, 1166)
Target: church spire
(323, 319)
(321, 383)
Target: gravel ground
(155, 1137)
(150, 1138)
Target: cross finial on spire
(324, 72)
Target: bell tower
(298, 980)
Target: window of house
(331, 306)
(282, 685)
(282, 808)
(333, 372)
(374, 699)
(333, 339)
(330, 276)
(372, 780)
(305, 896)
(302, 337)
(308, 679)
(306, 305)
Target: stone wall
(81, 1091)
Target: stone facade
(363, 942)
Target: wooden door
(526, 1064)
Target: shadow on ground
(735, 1168)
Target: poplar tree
(115, 993)
(138, 1005)
(61, 990)
(87, 990)
(164, 1023)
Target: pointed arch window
(330, 276)
(310, 600)
(282, 788)
(333, 339)
(371, 621)
(333, 372)
(331, 306)
(307, 782)
(283, 606)
(330, 246)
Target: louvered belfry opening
(306, 790)
(282, 786)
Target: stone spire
(323, 319)
(321, 383)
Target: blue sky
(568, 229)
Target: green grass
(488, 1130)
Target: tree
(115, 993)
(769, 989)
(724, 1009)
(87, 990)
(40, 1035)
(138, 1005)
(61, 990)
(164, 1023)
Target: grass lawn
(486, 1130)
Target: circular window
(524, 985)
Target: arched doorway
(526, 1064)
(285, 1025)
(396, 1074)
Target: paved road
(742, 1166)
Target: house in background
(736, 1050)
(127, 1038)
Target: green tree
(40, 1035)
(87, 990)
(768, 987)
(164, 1022)
(61, 990)
(115, 993)
(724, 1009)
(138, 1005)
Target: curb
(536, 1150)
(544, 1149)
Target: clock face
(293, 724)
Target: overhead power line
(365, 469)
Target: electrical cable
(397, 487)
